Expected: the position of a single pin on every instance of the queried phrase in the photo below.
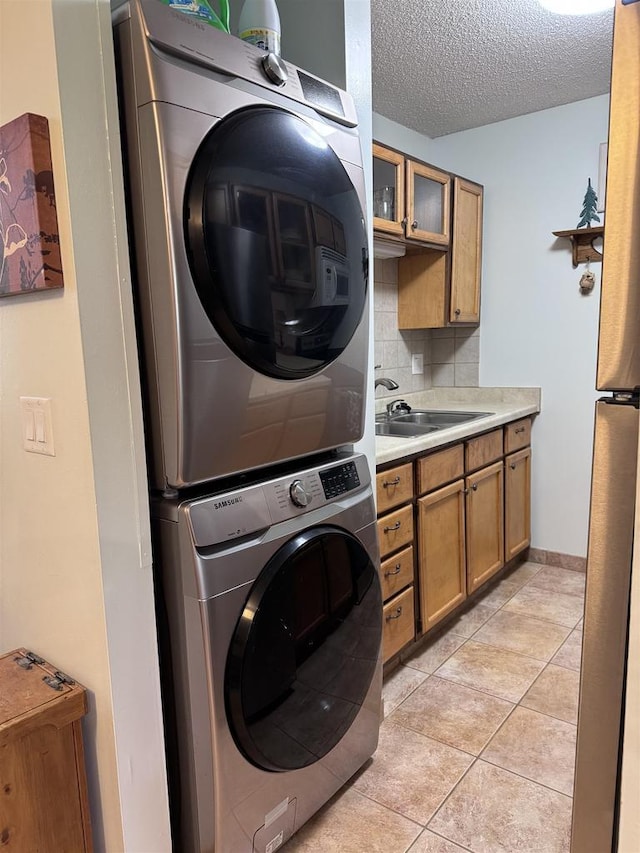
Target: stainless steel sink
(421, 421)
(403, 430)
(438, 419)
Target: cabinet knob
(475, 487)
(465, 491)
(404, 222)
(512, 466)
(395, 526)
(395, 615)
(396, 571)
(457, 312)
(414, 224)
(393, 482)
(519, 429)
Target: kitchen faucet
(389, 384)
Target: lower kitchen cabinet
(517, 502)
(395, 529)
(472, 512)
(396, 572)
(398, 623)
(395, 537)
(485, 524)
(441, 542)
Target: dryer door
(304, 651)
(276, 241)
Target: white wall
(74, 559)
(536, 327)
(395, 135)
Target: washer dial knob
(275, 69)
(299, 495)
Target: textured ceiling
(440, 67)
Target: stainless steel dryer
(246, 204)
(272, 631)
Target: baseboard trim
(555, 558)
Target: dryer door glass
(304, 651)
(276, 242)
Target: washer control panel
(337, 481)
(299, 495)
(231, 515)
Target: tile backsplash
(451, 357)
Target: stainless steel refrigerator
(614, 482)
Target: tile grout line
(459, 748)
(545, 661)
(526, 778)
(395, 811)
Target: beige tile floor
(477, 747)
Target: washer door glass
(276, 242)
(304, 650)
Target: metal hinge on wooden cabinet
(27, 660)
(57, 680)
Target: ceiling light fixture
(577, 7)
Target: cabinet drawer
(439, 468)
(394, 487)
(398, 623)
(396, 573)
(517, 435)
(395, 530)
(483, 450)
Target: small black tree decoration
(589, 208)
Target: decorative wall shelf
(582, 246)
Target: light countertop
(505, 404)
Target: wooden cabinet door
(485, 524)
(517, 502)
(428, 205)
(441, 542)
(388, 191)
(466, 252)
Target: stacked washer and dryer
(246, 197)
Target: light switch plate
(37, 425)
(417, 363)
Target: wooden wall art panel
(29, 242)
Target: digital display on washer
(337, 481)
(318, 93)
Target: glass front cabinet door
(428, 204)
(388, 191)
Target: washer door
(276, 242)
(304, 650)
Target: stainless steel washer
(246, 193)
(272, 633)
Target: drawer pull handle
(396, 571)
(395, 615)
(395, 526)
(513, 466)
(519, 429)
(393, 482)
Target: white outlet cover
(417, 363)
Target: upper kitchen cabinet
(466, 252)
(442, 288)
(428, 208)
(410, 199)
(388, 191)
